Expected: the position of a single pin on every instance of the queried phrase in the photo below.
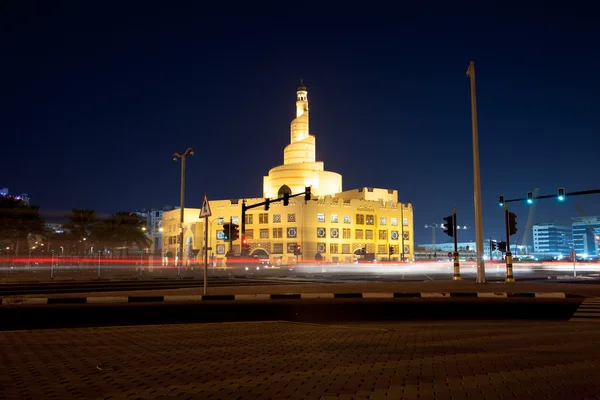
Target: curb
(283, 296)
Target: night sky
(96, 99)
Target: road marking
(113, 299)
(588, 311)
(434, 294)
(550, 295)
(376, 295)
(257, 296)
(316, 296)
(32, 300)
(490, 294)
(190, 297)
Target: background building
(23, 196)
(154, 226)
(552, 240)
(331, 227)
(586, 236)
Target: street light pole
(476, 181)
(188, 152)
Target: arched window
(283, 190)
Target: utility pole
(188, 152)
(476, 181)
(456, 276)
(509, 267)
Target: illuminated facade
(333, 226)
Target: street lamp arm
(188, 152)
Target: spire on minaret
(302, 87)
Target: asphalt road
(281, 360)
(12, 289)
(313, 311)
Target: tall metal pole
(509, 267)
(182, 195)
(401, 232)
(476, 181)
(205, 254)
(456, 275)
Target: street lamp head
(174, 158)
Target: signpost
(205, 213)
(574, 258)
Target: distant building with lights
(586, 236)
(332, 227)
(23, 197)
(551, 240)
(154, 225)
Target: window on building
(347, 219)
(405, 221)
(369, 234)
(333, 248)
(370, 220)
(276, 218)
(157, 214)
(382, 234)
(291, 246)
(321, 247)
(394, 221)
(264, 233)
(381, 249)
(263, 218)
(360, 219)
(292, 232)
(291, 218)
(249, 233)
(334, 218)
(235, 220)
(249, 218)
(334, 233)
(345, 249)
(358, 234)
(320, 217)
(278, 248)
(277, 233)
(321, 232)
(347, 233)
(382, 221)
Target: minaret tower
(302, 145)
(300, 169)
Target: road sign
(573, 255)
(205, 210)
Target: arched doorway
(283, 190)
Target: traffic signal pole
(456, 276)
(509, 267)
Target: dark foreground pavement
(312, 311)
(284, 360)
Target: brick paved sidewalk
(278, 360)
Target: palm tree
(121, 231)
(18, 221)
(80, 224)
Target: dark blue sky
(96, 99)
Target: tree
(121, 231)
(80, 224)
(18, 221)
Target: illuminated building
(23, 197)
(551, 240)
(586, 236)
(333, 226)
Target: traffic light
(500, 201)
(449, 226)
(267, 204)
(529, 197)
(286, 199)
(307, 193)
(502, 246)
(512, 223)
(297, 250)
(245, 247)
(391, 250)
(226, 231)
(235, 232)
(494, 245)
(561, 194)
